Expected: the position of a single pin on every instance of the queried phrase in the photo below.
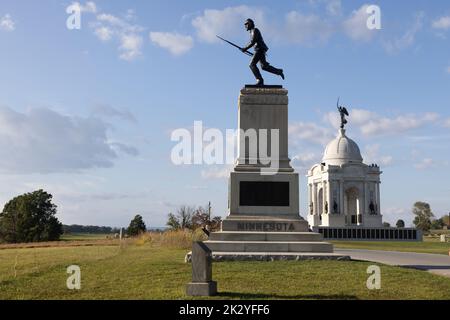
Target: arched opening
(352, 196)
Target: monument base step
(271, 256)
(269, 246)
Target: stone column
(366, 199)
(342, 199)
(378, 198)
(330, 191)
(314, 198)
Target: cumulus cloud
(296, 28)
(304, 29)
(372, 124)
(355, 26)
(407, 39)
(442, 23)
(130, 46)
(7, 23)
(311, 132)
(305, 160)
(129, 37)
(177, 44)
(45, 141)
(104, 33)
(226, 22)
(372, 155)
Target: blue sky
(87, 114)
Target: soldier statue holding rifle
(259, 56)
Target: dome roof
(342, 150)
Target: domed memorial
(342, 150)
(343, 191)
(344, 195)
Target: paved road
(434, 263)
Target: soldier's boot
(269, 68)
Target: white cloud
(402, 123)
(104, 33)
(305, 160)
(177, 44)
(44, 141)
(442, 23)
(311, 132)
(372, 124)
(304, 29)
(112, 20)
(355, 26)
(408, 38)
(89, 7)
(128, 36)
(226, 22)
(372, 155)
(7, 23)
(425, 164)
(130, 46)
(296, 27)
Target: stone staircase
(265, 243)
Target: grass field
(144, 271)
(84, 236)
(427, 246)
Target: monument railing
(369, 234)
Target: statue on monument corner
(261, 49)
(343, 112)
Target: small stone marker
(202, 284)
(443, 238)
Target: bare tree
(182, 219)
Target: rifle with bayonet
(235, 45)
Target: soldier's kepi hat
(249, 21)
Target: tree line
(31, 217)
(75, 228)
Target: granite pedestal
(264, 222)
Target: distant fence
(373, 234)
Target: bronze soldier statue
(260, 53)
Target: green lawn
(146, 272)
(428, 246)
(84, 236)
